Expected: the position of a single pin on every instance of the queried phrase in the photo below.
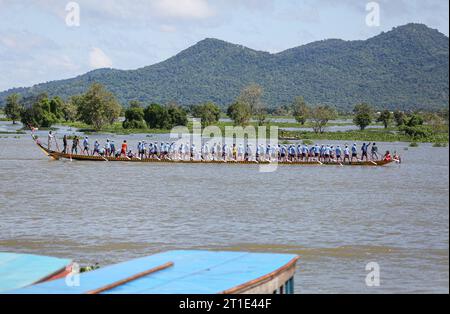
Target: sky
(45, 40)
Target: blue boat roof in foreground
(193, 272)
(21, 270)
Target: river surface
(338, 219)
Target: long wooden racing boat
(58, 155)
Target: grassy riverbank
(117, 127)
(391, 134)
(368, 135)
(372, 135)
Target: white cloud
(31, 58)
(136, 11)
(184, 9)
(24, 41)
(168, 28)
(98, 59)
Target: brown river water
(337, 219)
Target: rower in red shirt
(124, 149)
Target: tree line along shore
(98, 110)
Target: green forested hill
(406, 68)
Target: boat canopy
(187, 272)
(21, 270)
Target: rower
(338, 153)
(364, 150)
(248, 153)
(374, 152)
(166, 150)
(113, 149)
(283, 153)
(354, 152)
(49, 141)
(144, 149)
(258, 152)
(218, 150)
(299, 152)
(162, 152)
(193, 151)
(65, 144)
(312, 152)
(387, 156)
(317, 152)
(203, 152)
(224, 152)
(140, 150)
(157, 150)
(85, 146)
(397, 158)
(347, 154)
(268, 153)
(75, 143)
(213, 151)
(305, 153)
(124, 149)
(171, 150)
(241, 152)
(108, 147)
(96, 148)
(326, 152)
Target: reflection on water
(336, 219)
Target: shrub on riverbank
(134, 118)
(440, 145)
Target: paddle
(131, 278)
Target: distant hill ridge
(405, 68)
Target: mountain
(405, 68)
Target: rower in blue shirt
(326, 152)
(317, 152)
(113, 149)
(96, 148)
(338, 153)
(354, 152)
(364, 151)
(305, 153)
(86, 146)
